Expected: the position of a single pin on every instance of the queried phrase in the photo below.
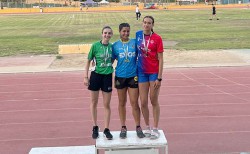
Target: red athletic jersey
(148, 52)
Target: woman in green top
(100, 78)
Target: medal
(146, 44)
(126, 60)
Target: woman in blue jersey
(150, 67)
(124, 51)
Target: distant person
(100, 79)
(206, 2)
(137, 12)
(213, 13)
(150, 68)
(1, 5)
(126, 80)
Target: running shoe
(147, 132)
(95, 133)
(155, 134)
(123, 133)
(107, 134)
(139, 132)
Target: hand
(157, 84)
(86, 81)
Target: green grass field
(42, 33)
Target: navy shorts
(121, 83)
(100, 81)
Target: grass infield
(190, 29)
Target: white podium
(132, 144)
(64, 150)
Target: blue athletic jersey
(126, 55)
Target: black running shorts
(121, 83)
(100, 81)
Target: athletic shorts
(121, 83)
(100, 81)
(142, 77)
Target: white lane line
(55, 138)
(224, 132)
(45, 90)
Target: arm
(160, 57)
(157, 82)
(86, 78)
(90, 58)
(113, 58)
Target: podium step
(132, 144)
(139, 151)
(64, 150)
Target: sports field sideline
(114, 8)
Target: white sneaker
(147, 132)
(155, 134)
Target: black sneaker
(123, 133)
(107, 134)
(95, 133)
(139, 132)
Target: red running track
(203, 110)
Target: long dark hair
(153, 20)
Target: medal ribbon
(126, 51)
(144, 42)
(105, 55)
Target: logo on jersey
(139, 38)
(130, 54)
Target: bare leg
(133, 96)
(106, 104)
(143, 91)
(93, 106)
(154, 93)
(122, 95)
